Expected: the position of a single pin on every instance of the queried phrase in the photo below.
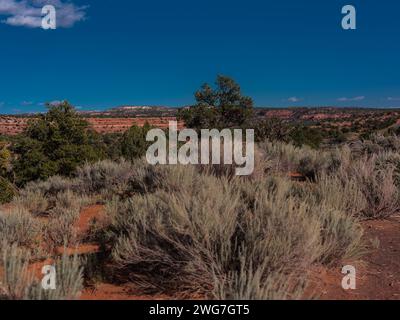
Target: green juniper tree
(222, 107)
(55, 143)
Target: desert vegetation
(185, 231)
(188, 232)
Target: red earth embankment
(14, 125)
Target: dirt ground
(378, 273)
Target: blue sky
(283, 53)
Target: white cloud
(294, 99)
(393, 99)
(56, 102)
(359, 98)
(28, 13)
(26, 103)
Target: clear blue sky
(158, 52)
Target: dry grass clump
(60, 230)
(285, 158)
(367, 188)
(33, 201)
(69, 281)
(18, 227)
(379, 143)
(70, 200)
(108, 178)
(15, 279)
(53, 186)
(229, 170)
(233, 238)
(18, 282)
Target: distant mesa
(115, 120)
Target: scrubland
(200, 232)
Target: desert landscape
(78, 193)
(200, 159)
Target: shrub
(366, 188)
(70, 200)
(54, 143)
(105, 175)
(286, 158)
(249, 284)
(15, 279)
(133, 142)
(18, 227)
(69, 280)
(378, 143)
(222, 107)
(60, 230)
(7, 191)
(235, 238)
(158, 242)
(53, 186)
(17, 282)
(33, 201)
(120, 178)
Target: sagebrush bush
(365, 188)
(69, 281)
(157, 241)
(60, 230)
(378, 143)
(200, 233)
(15, 278)
(33, 201)
(53, 186)
(18, 227)
(249, 284)
(70, 200)
(286, 158)
(121, 178)
(105, 175)
(18, 282)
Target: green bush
(56, 143)
(7, 191)
(222, 107)
(133, 142)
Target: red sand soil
(82, 226)
(87, 216)
(296, 176)
(378, 274)
(106, 291)
(79, 250)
